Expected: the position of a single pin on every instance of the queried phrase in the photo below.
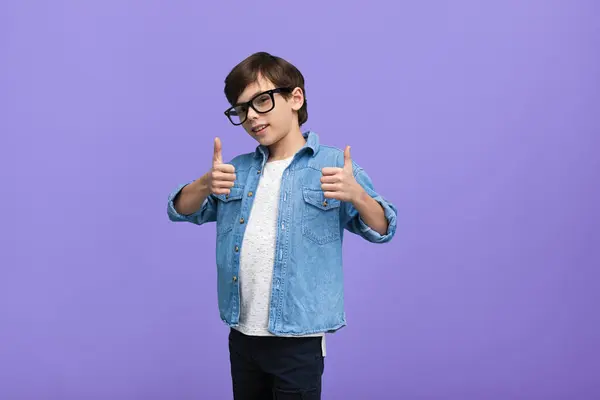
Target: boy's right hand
(221, 176)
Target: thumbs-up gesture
(339, 183)
(221, 176)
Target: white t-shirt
(258, 254)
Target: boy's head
(276, 91)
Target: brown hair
(276, 69)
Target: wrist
(201, 185)
(359, 197)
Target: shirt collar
(312, 144)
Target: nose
(251, 114)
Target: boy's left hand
(339, 183)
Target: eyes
(262, 100)
(262, 103)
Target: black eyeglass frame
(249, 104)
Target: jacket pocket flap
(316, 197)
(235, 193)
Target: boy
(280, 212)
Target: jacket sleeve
(206, 213)
(355, 223)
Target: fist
(339, 183)
(221, 176)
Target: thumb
(217, 155)
(347, 158)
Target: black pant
(275, 368)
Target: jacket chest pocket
(320, 217)
(229, 209)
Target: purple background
(478, 119)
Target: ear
(297, 99)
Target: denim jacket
(307, 289)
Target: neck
(287, 146)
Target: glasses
(261, 103)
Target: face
(272, 126)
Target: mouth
(259, 128)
